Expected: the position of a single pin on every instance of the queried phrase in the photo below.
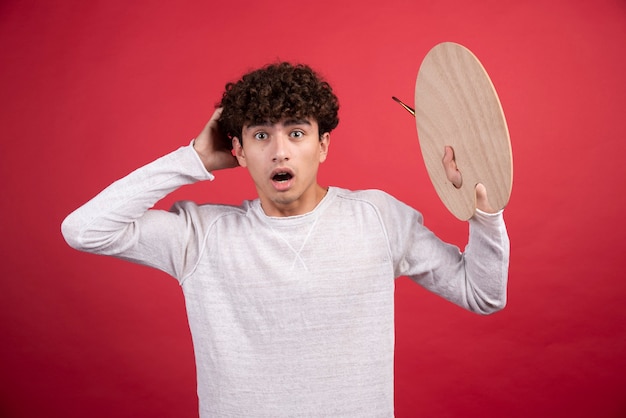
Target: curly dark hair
(274, 92)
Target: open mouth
(282, 176)
(282, 179)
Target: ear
(324, 145)
(239, 153)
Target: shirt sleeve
(119, 220)
(475, 278)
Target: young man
(290, 296)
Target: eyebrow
(287, 122)
(290, 122)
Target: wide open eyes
(264, 136)
(261, 136)
(297, 134)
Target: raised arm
(119, 222)
(475, 278)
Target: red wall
(92, 90)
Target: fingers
(454, 176)
(211, 126)
(449, 164)
(482, 201)
(216, 115)
(210, 132)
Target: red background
(91, 90)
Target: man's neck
(301, 206)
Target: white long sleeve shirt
(290, 316)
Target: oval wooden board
(457, 105)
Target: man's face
(283, 159)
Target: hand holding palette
(457, 106)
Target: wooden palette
(457, 105)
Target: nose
(281, 148)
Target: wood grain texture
(456, 104)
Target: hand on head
(211, 147)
